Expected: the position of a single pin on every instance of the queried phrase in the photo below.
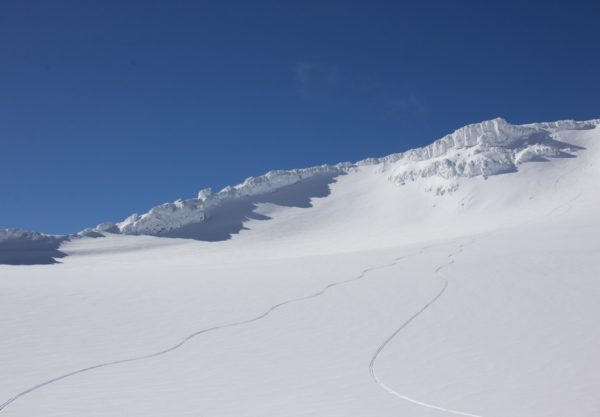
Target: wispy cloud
(316, 77)
(409, 106)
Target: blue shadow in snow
(229, 217)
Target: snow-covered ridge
(10, 234)
(488, 148)
(22, 247)
(170, 216)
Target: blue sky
(110, 107)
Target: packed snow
(421, 284)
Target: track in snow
(362, 275)
(402, 327)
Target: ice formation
(489, 148)
(170, 216)
(483, 149)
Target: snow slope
(489, 148)
(355, 290)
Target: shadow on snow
(228, 218)
(223, 222)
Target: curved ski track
(402, 327)
(362, 275)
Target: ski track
(360, 276)
(390, 390)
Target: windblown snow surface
(457, 279)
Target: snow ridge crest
(170, 216)
(488, 148)
(483, 149)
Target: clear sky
(111, 107)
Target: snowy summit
(479, 150)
